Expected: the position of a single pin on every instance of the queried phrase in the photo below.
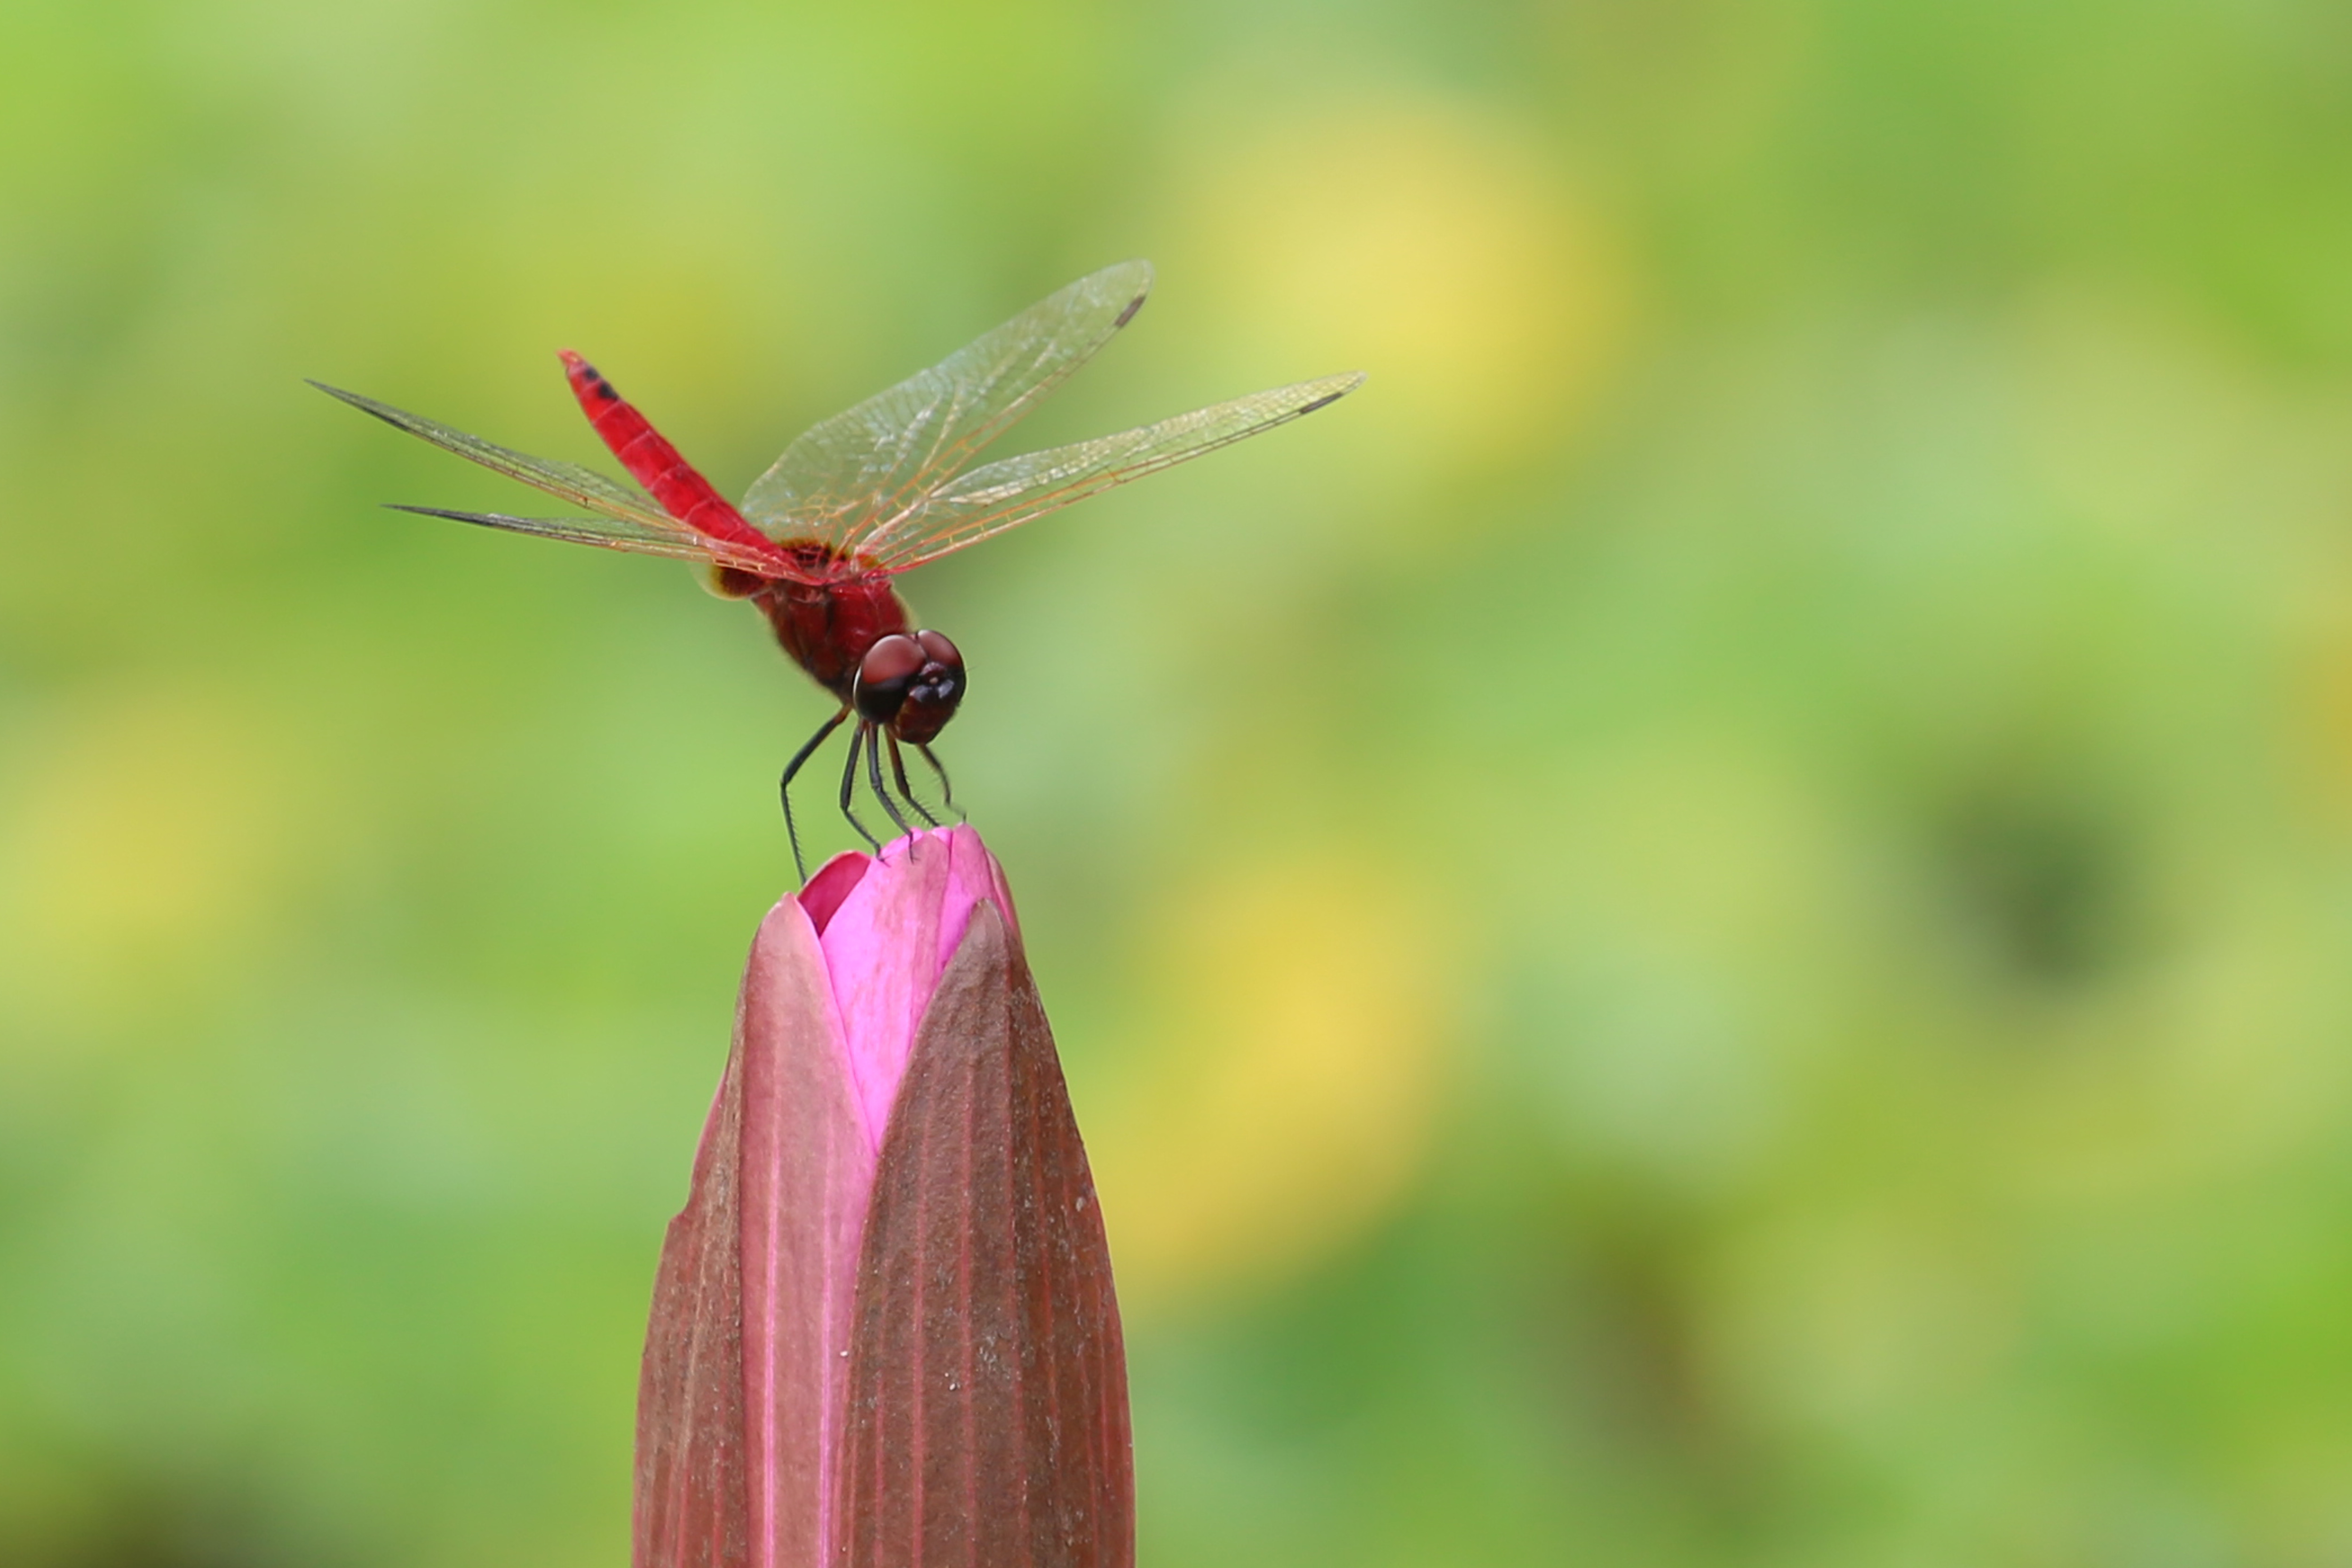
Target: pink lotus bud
(883, 1330)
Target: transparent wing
(858, 471)
(990, 500)
(676, 542)
(580, 487)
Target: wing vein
(988, 501)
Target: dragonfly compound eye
(932, 697)
(885, 675)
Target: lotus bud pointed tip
(893, 1105)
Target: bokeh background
(1708, 927)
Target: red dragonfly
(869, 493)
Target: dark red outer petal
(690, 1509)
(748, 1314)
(987, 1419)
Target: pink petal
(834, 880)
(888, 941)
(987, 1423)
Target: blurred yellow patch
(1439, 250)
(1290, 1075)
(138, 852)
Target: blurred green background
(1708, 926)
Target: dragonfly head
(911, 682)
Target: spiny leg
(874, 778)
(849, 784)
(898, 772)
(785, 787)
(947, 790)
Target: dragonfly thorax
(827, 627)
(851, 632)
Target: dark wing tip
(480, 519)
(384, 411)
(1355, 380)
(1142, 287)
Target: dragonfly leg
(849, 784)
(785, 787)
(947, 790)
(874, 778)
(898, 772)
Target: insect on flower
(869, 493)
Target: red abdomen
(827, 622)
(653, 462)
